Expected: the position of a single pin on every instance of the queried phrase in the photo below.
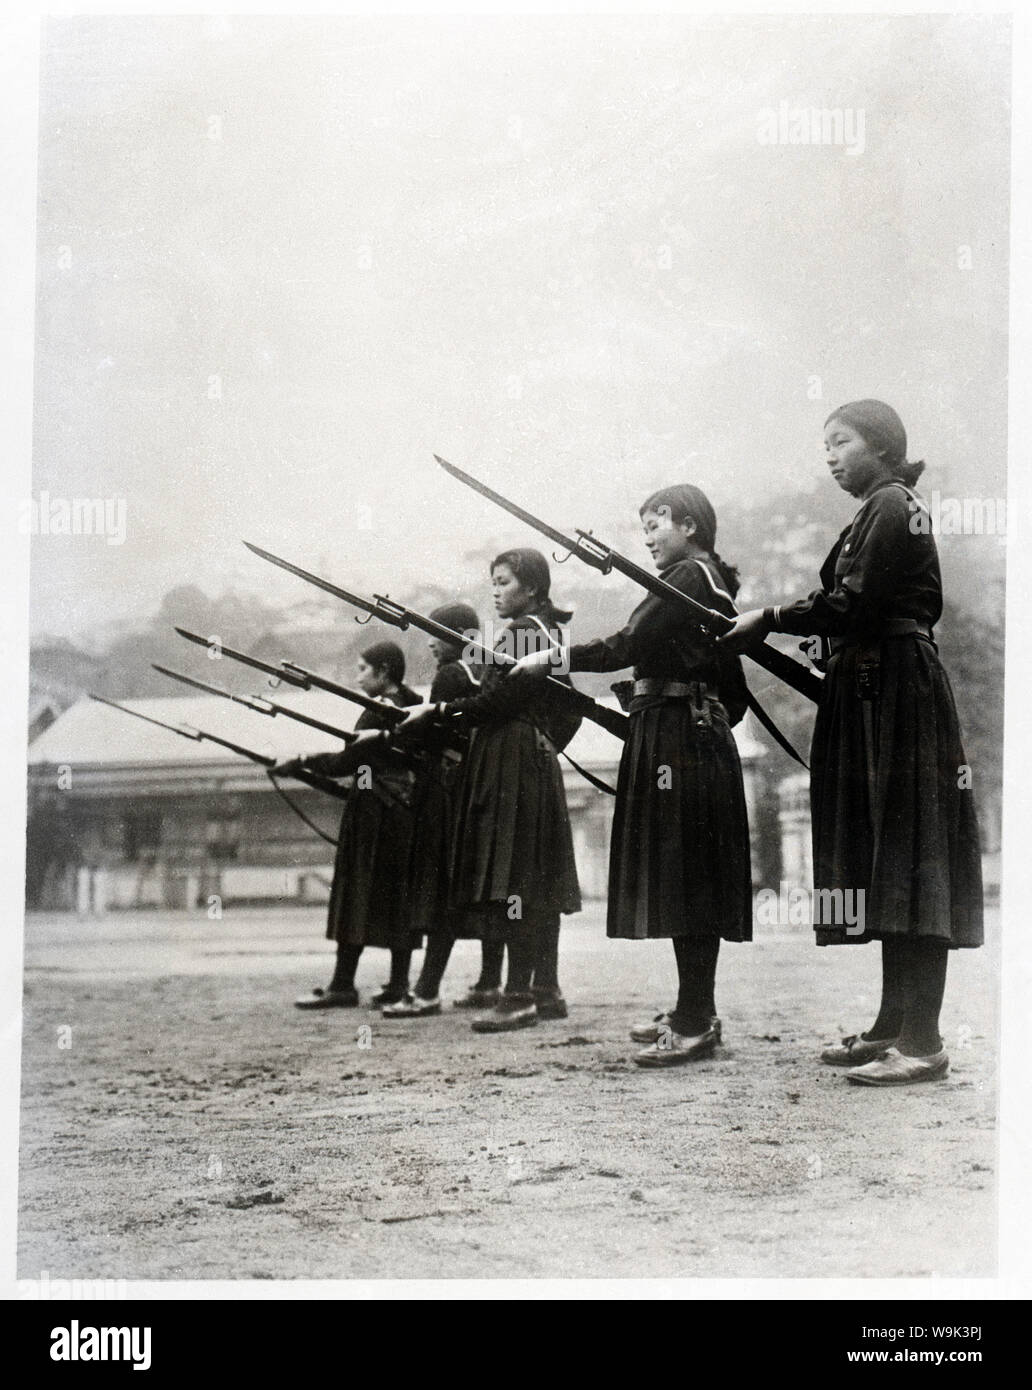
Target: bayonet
(299, 676)
(398, 615)
(257, 703)
(313, 779)
(594, 552)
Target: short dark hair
(386, 656)
(531, 568)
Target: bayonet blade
(567, 542)
(246, 700)
(315, 579)
(211, 643)
(258, 704)
(183, 729)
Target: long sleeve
(343, 763)
(864, 574)
(500, 699)
(652, 625)
(451, 682)
(497, 699)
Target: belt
(892, 627)
(655, 687)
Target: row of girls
(456, 822)
(892, 815)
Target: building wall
(91, 851)
(91, 854)
(177, 850)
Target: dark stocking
(925, 962)
(522, 948)
(400, 963)
(492, 955)
(435, 962)
(546, 965)
(696, 976)
(890, 1015)
(347, 964)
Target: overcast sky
(283, 261)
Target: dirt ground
(181, 1120)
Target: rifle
(603, 557)
(299, 676)
(397, 615)
(257, 704)
(313, 779)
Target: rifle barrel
(257, 703)
(397, 615)
(293, 674)
(777, 662)
(603, 557)
(313, 779)
(247, 660)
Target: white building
(123, 814)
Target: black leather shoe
(478, 999)
(412, 1007)
(328, 999)
(649, 1032)
(673, 1050)
(511, 1012)
(856, 1050)
(550, 1004)
(387, 995)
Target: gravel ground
(180, 1120)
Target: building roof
(95, 735)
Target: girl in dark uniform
(369, 900)
(890, 788)
(454, 679)
(679, 853)
(513, 870)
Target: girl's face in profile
(511, 599)
(854, 465)
(372, 680)
(666, 540)
(443, 651)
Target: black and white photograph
(510, 528)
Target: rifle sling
(298, 811)
(768, 723)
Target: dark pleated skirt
(679, 858)
(513, 843)
(370, 900)
(432, 850)
(892, 810)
